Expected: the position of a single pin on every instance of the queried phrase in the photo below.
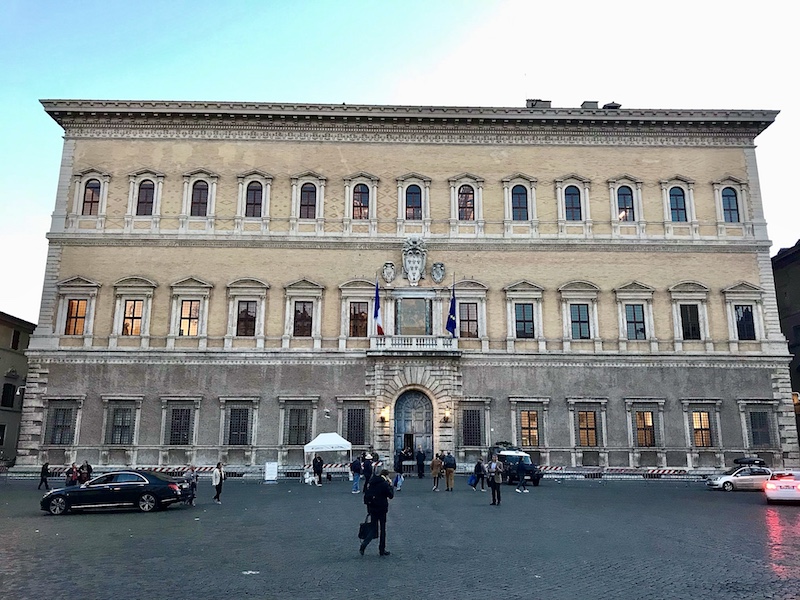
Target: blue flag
(451, 317)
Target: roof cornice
(71, 110)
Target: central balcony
(414, 343)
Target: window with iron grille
(144, 201)
(587, 428)
(119, 425)
(690, 321)
(246, 318)
(132, 319)
(468, 319)
(572, 203)
(308, 201)
(524, 320)
(61, 424)
(238, 426)
(252, 206)
(634, 319)
(677, 205)
(76, 317)
(760, 429)
(645, 429)
(190, 317)
(181, 425)
(9, 390)
(519, 203)
(358, 319)
(625, 204)
(413, 203)
(466, 203)
(745, 325)
(199, 207)
(361, 202)
(579, 314)
(91, 197)
(302, 318)
(297, 427)
(471, 430)
(529, 427)
(701, 427)
(730, 205)
(355, 426)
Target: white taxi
(783, 486)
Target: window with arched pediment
(91, 198)
(308, 201)
(361, 202)
(253, 199)
(625, 204)
(145, 198)
(572, 203)
(730, 205)
(519, 203)
(677, 205)
(199, 205)
(466, 203)
(413, 203)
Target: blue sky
(680, 54)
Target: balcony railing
(414, 342)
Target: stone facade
(15, 335)
(210, 290)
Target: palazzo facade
(214, 269)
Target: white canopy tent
(328, 442)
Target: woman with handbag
(495, 470)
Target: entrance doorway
(413, 423)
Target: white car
(783, 486)
(740, 478)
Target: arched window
(466, 203)
(361, 202)
(519, 203)
(625, 204)
(413, 203)
(144, 202)
(199, 206)
(572, 203)
(252, 207)
(308, 201)
(677, 205)
(730, 205)
(91, 197)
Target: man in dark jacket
(366, 469)
(420, 462)
(355, 469)
(377, 497)
(316, 465)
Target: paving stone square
(563, 540)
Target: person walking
(495, 471)
(366, 468)
(436, 471)
(43, 475)
(72, 475)
(85, 472)
(377, 497)
(316, 466)
(217, 477)
(191, 476)
(480, 475)
(449, 471)
(398, 470)
(355, 469)
(521, 472)
(420, 462)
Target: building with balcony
(14, 336)
(227, 280)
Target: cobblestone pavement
(575, 539)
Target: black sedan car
(144, 490)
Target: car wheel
(727, 486)
(147, 502)
(536, 482)
(58, 505)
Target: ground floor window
(239, 425)
(119, 429)
(471, 429)
(60, 424)
(529, 427)
(701, 427)
(181, 426)
(645, 429)
(355, 426)
(298, 427)
(587, 428)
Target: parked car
(748, 474)
(511, 458)
(783, 486)
(144, 490)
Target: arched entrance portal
(413, 422)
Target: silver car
(740, 478)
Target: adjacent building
(226, 280)
(786, 267)
(14, 336)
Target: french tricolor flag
(377, 314)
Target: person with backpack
(377, 497)
(449, 471)
(355, 469)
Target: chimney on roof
(589, 104)
(537, 103)
(611, 106)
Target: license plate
(786, 487)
